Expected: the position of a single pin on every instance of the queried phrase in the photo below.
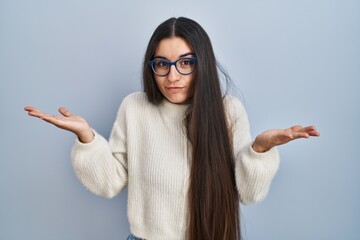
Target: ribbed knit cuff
(85, 146)
(272, 153)
(95, 146)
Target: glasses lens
(161, 67)
(185, 65)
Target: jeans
(132, 237)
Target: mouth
(174, 89)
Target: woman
(182, 148)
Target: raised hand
(275, 137)
(67, 121)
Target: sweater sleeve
(101, 165)
(253, 171)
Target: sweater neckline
(173, 109)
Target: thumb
(65, 112)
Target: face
(177, 88)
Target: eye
(161, 63)
(186, 62)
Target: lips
(174, 89)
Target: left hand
(271, 138)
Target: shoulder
(135, 98)
(233, 105)
(235, 112)
(133, 103)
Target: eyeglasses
(184, 66)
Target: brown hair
(213, 200)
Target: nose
(173, 75)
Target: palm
(275, 137)
(67, 120)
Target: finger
(56, 120)
(314, 134)
(296, 128)
(309, 128)
(31, 109)
(49, 119)
(297, 135)
(306, 132)
(47, 116)
(299, 128)
(65, 112)
(35, 114)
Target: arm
(256, 162)
(101, 170)
(100, 166)
(254, 171)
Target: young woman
(182, 148)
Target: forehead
(172, 48)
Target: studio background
(293, 62)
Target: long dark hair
(213, 201)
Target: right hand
(67, 121)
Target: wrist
(258, 148)
(86, 136)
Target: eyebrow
(181, 56)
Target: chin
(178, 100)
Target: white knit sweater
(148, 152)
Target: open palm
(66, 120)
(275, 137)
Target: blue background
(294, 62)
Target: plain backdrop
(293, 62)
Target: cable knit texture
(148, 153)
